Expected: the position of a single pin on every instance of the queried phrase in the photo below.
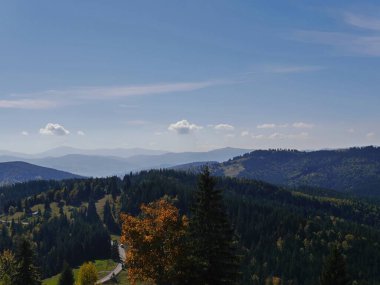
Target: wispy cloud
(224, 127)
(302, 135)
(362, 21)
(370, 135)
(136, 90)
(356, 42)
(53, 98)
(294, 69)
(27, 104)
(281, 136)
(244, 133)
(348, 43)
(266, 126)
(260, 136)
(302, 125)
(272, 126)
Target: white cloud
(230, 136)
(266, 126)
(224, 127)
(370, 135)
(183, 127)
(80, 133)
(25, 133)
(27, 104)
(244, 133)
(351, 131)
(54, 129)
(302, 125)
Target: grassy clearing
(103, 266)
(100, 205)
(55, 210)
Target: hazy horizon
(170, 151)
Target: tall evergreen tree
(108, 218)
(212, 243)
(113, 187)
(27, 272)
(334, 271)
(67, 276)
(92, 214)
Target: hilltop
(353, 170)
(18, 171)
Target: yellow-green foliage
(87, 274)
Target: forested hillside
(283, 234)
(354, 170)
(18, 171)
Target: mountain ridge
(352, 170)
(20, 171)
(98, 165)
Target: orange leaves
(154, 242)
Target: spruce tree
(334, 270)
(67, 276)
(213, 248)
(92, 215)
(27, 271)
(108, 218)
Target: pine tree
(67, 276)
(212, 243)
(27, 272)
(334, 270)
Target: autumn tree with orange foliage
(155, 243)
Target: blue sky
(189, 75)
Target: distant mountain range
(18, 171)
(102, 163)
(67, 150)
(354, 170)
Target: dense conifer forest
(281, 233)
(352, 171)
